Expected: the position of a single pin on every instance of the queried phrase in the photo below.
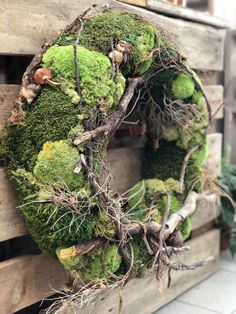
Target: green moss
(101, 29)
(197, 97)
(94, 264)
(53, 226)
(95, 77)
(186, 228)
(141, 257)
(49, 118)
(170, 133)
(183, 86)
(55, 165)
(105, 226)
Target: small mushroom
(29, 92)
(43, 76)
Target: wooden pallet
(27, 279)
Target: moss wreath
(75, 93)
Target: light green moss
(95, 76)
(197, 97)
(183, 86)
(55, 165)
(94, 264)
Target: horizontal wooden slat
(215, 96)
(32, 22)
(206, 211)
(147, 294)
(11, 222)
(180, 12)
(9, 93)
(28, 279)
(203, 45)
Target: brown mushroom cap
(41, 75)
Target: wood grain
(24, 26)
(28, 279)
(180, 12)
(8, 95)
(11, 222)
(213, 162)
(146, 295)
(215, 96)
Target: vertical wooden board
(215, 95)
(11, 222)
(145, 295)
(8, 94)
(28, 279)
(213, 162)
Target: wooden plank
(11, 222)
(213, 163)
(180, 12)
(146, 295)
(206, 211)
(32, 22)
(8, 95)
(215, 96)
(28, 279)
(203, 45)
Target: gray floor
(216, 294)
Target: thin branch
(184, 165)
(77, 69)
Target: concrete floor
(216, 294)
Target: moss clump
(49, 118)
(53, 226)
(95, 77)
(99, 30)
(55, 165)
(183, 86)
(197, 97)
(94, 265)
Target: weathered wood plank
(215, 95)
(30, 23)
(180, 12)
(126, 163)
(8, 95)
(11, 222)
(147, 295)
(206, 211)
(28, 279)
(213, 163)
(125, 167)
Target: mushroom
(43, 76)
